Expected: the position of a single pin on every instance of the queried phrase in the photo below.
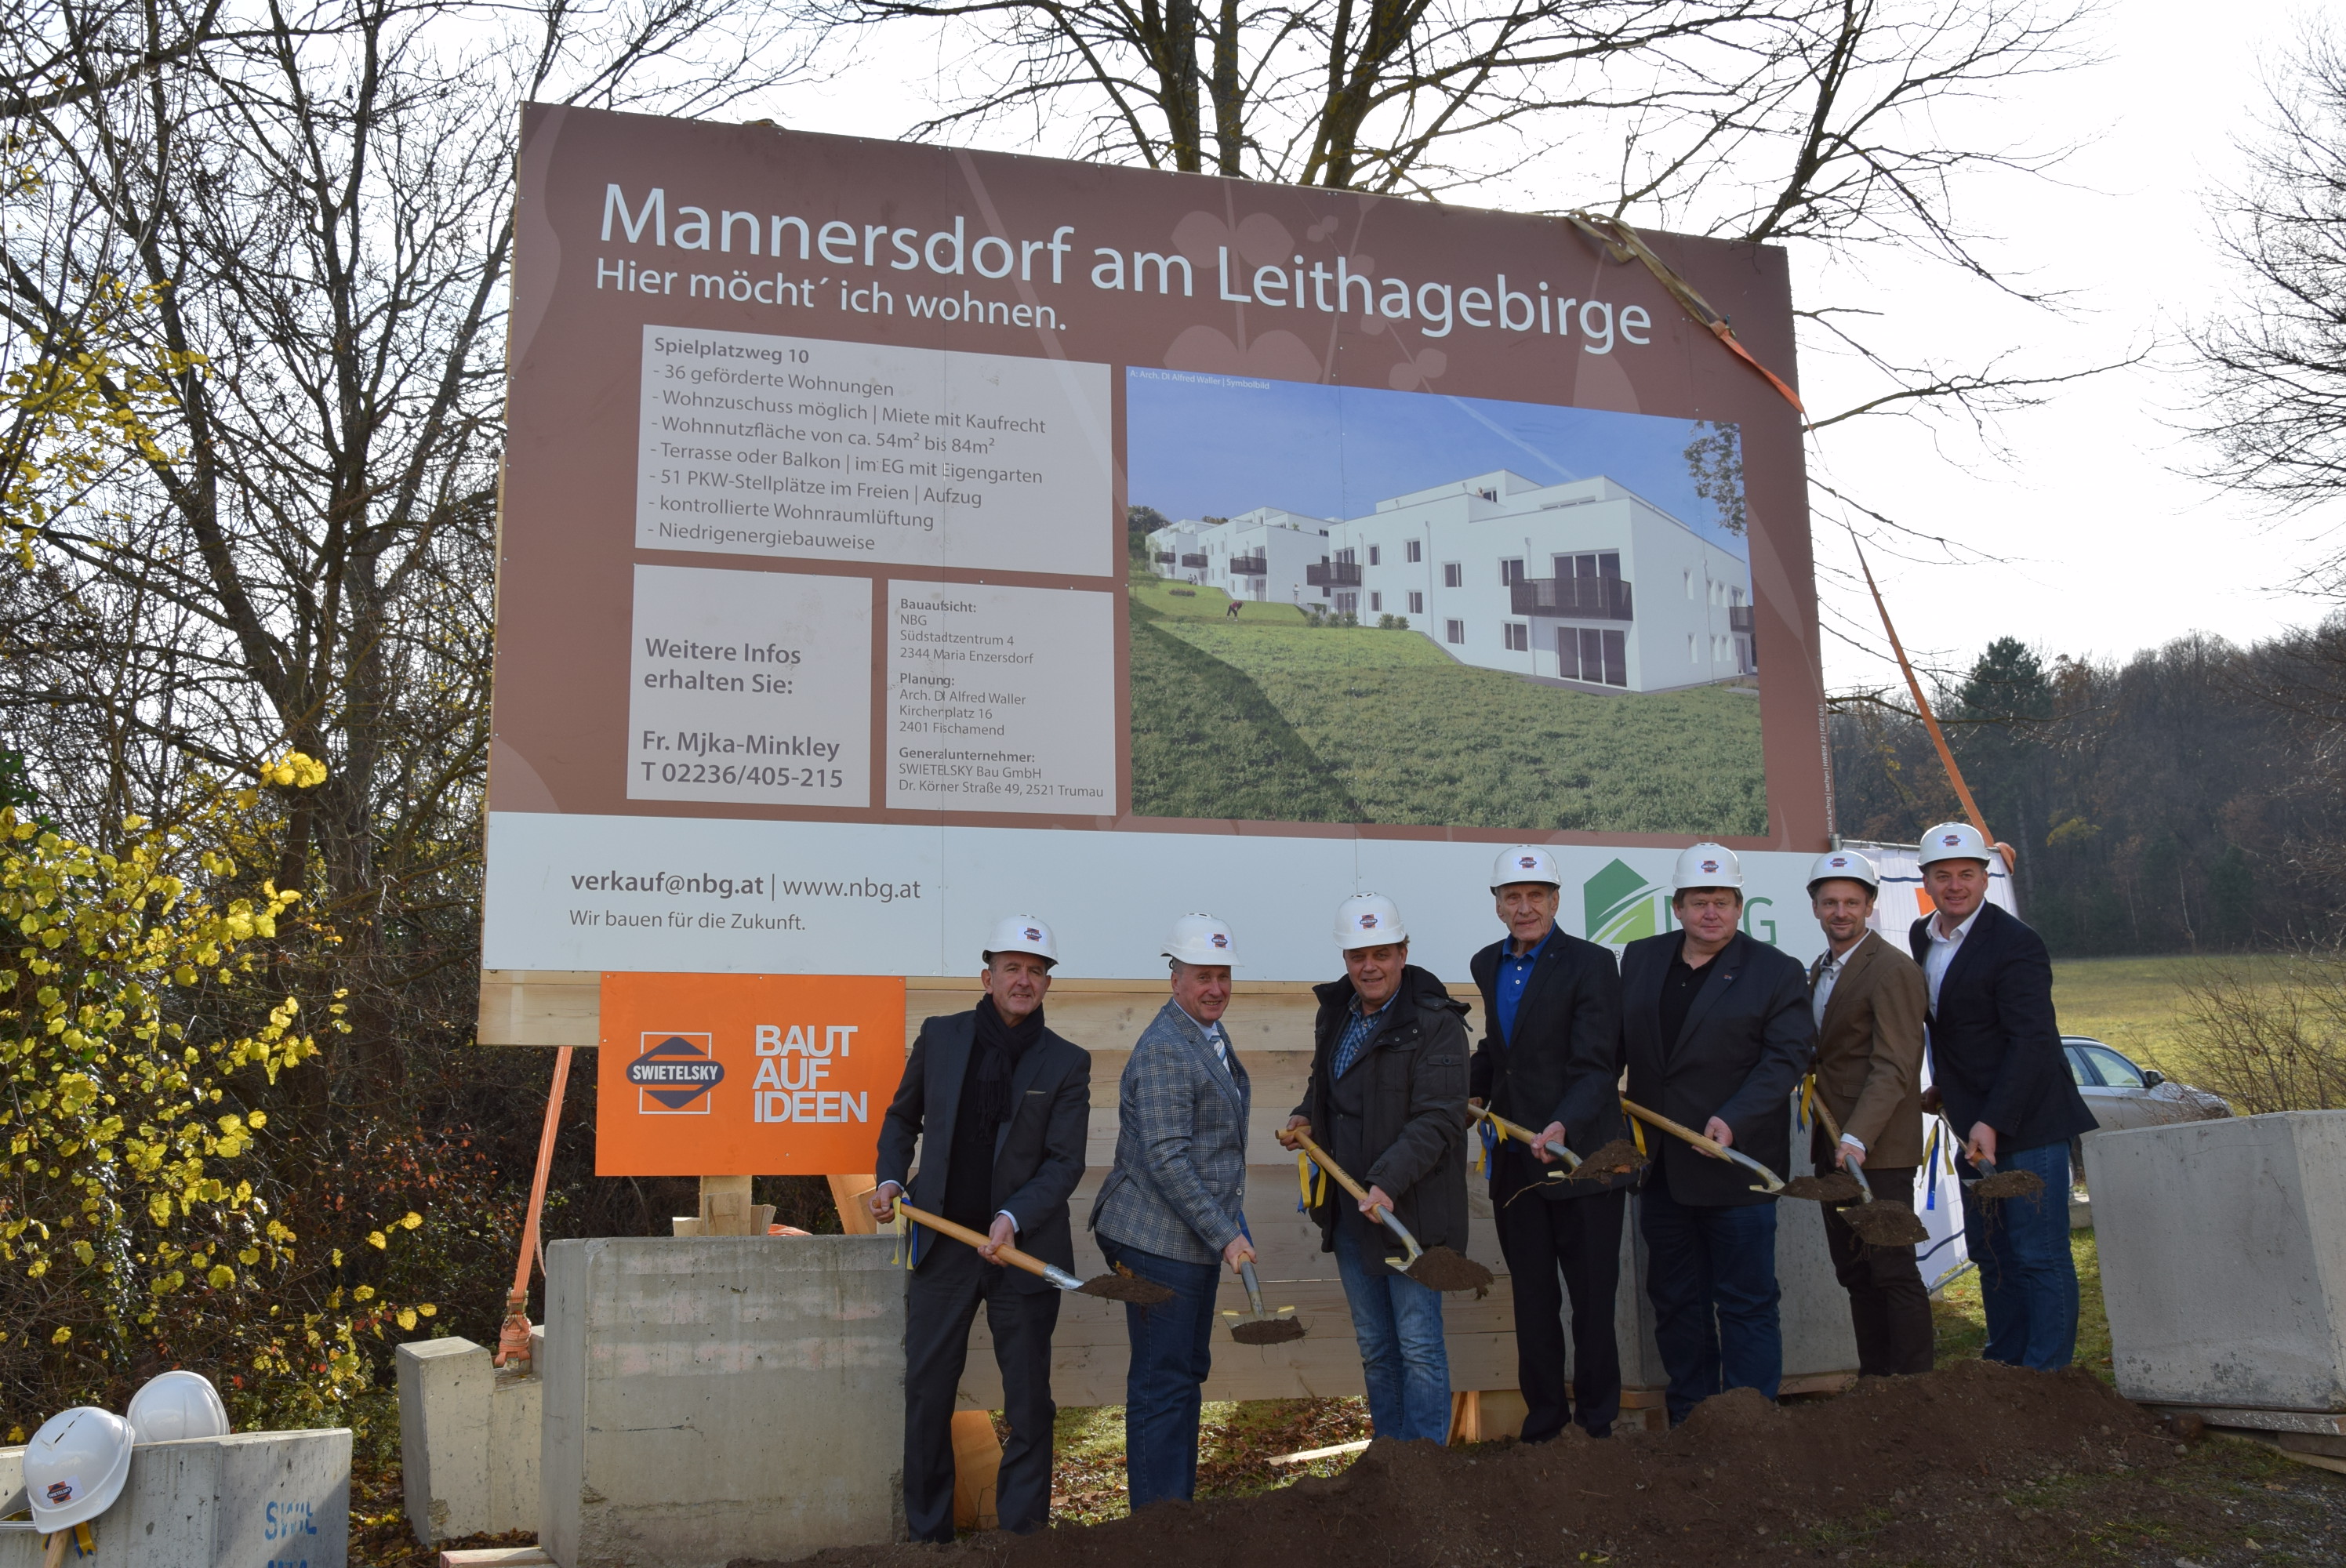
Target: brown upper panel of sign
(630, 221)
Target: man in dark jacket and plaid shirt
(1388, 1095)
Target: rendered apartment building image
(1584, 582)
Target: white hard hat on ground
(1201, 939)
(1524, 863)
(1955, 842)
(176, 1405)
(1847, 865)
(75, 1467)
(1021, 933)
(1707, 866)
(1368, 920)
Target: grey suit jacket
(1180, 1180)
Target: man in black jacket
(1551, 1060)
(1998, 1069)
(1717, 1032)
(998, 1104)
(1388, 1095)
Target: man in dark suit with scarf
(1551, 1061)
(998, 1105)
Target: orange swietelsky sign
(745, 1074)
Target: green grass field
(2137, 1004)
(1262, 718)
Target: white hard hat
(1524, 863)
(1955, 842)
(1847, 865)
(176, 1405)
(1201, 939)
(1368, 920)
(1021, 933)
(1707, 866)
(75, 1467)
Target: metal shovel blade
(1262, 1327)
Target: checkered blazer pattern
(1179, 1179)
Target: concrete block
(251, 1500)
(2222, 1261)
(516, 1429)
(468, 1439)
(446, 1390)
(720, 1397)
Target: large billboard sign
(894, 537)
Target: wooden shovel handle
(943, 1226)
(1525, 1136)
(1824, 1115)
(1656, 1119)
(1321, 1158)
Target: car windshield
(2116, 1072)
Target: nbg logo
(673, 1075)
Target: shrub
(134, 1028)
(2270, 1037)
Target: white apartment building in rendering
(1584, 583)
(1262, 555)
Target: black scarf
(997, 1053)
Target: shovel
(1262, 1327)
(1877, 1223)
(1775, 1183)
(1992, 1183)
(1529, 1139)
(1128, 1287)
(1440, 1269)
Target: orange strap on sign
(1623, 242)
(1923, 706)
(512, 1340)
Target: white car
(2121, 1094)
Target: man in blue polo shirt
(1551, 1059)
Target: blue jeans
(1710, 1273)
(1398, 1323)
(2028, 1280)
(1172, 1351)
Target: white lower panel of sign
(704, 895)
(1001, 699)
(751, 686)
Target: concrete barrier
(2223, 1264)
(252, 1500)
(468, 1439)
(720, 1397)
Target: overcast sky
(2080, 534)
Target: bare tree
(2274, 411)
(283, 235)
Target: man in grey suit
(1170, 1210)
(999, 1106)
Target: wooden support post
(726, 1209)
(854, 1213)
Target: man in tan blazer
(1870, 1000)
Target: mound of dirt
(1886, 1224)
(1900, 1470)
(1266, 1330)
(1615, 1158)
(1834, 1187)
(1123, 1285)
(2009, 1184)
(1442, 1269)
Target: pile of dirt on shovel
(1902, 1470)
